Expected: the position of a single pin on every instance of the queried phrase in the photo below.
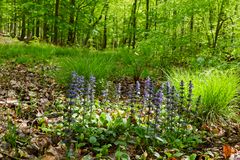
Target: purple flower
(190, 88)
(158, 99)
(130, 93)
(118, 91)
(138, 86)
(92, 83)
(147, 88)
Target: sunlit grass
(218, 89)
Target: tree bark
(38, 28)
(71, 33)
(134, 24)
(55, 38)
(104, 44)
(147, 19)
(219, 24)
(23, 30)
(45, 29)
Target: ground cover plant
(145, 120)
(98, 119)
(218, 89)
(105, 106)
(119, 79)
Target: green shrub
(217, 88)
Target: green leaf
(161, 140)
(121, 155)
(87, 157)
(93, 140)
(192, 157)
(178, 154)
(156, 154)
(168, 154)
(118, 155)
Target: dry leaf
(49, 157)
(228, 151)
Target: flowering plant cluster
(146, 108)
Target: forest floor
(28, 100)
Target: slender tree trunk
(134, 24)
(219, 24)
(91, 27)
(174, 35)
(33, 28)
(211, 37)
(23, 30)
(71, 36)
(29, 30)
(104, 44)
(75, 27)
(37, 28)
(155, 16)
(14, 21)
(124, 32)
(45, 29)
(55, 38)
(191, 27)
(147, 19)
(233, 25)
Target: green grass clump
(218, 89)
(21, 52)
(102, 64)
(109, 64)
(87, 64)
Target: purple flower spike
(92, 83)
(158, 99)
(147, 89)
(168, 87)
(138, 86)
(118, 91)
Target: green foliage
(217, 89)
(100, 65)
(104, 65)
(22, 53)
(121, 125)
(11, 136)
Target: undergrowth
(218, 89)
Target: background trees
(170, 27)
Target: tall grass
(122, 62)
(87, 64)
(218, 89)
(103, 65)
(23, 51)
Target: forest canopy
(180, 27)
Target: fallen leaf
(228, 151)
(49, 157)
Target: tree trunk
(23, 30)
(104, 44)
(219, 24)
(147, 19)
(55, 38)
(134, 24)
(91, 27)
(155, 16)
(71, 33)
(45, 29)
(37, 28)
(14, 21)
